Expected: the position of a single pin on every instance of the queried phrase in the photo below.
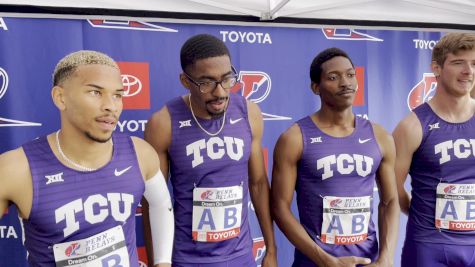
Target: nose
(111, 103)
(219, 91)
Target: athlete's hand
(350, 261)
(270, 260)
(381, 263)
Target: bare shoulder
(408, 131)
(148, 159)
(253, 110)
(384, 139)
(290, 141)
(158, 131)
(15, 174)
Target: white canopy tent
(408, 13)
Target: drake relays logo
(5, 122)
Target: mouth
(107, 122)
(218, 104)
(346, 92)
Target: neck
(452, 108)
(331, 117)
(82, 154)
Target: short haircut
(322, 57)
(201, 46)
(452, 43)
(69, 64)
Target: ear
(436, 68)
(315, 88)
(184, 81)
(57, 93)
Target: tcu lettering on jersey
(460, 148)
(345, 164)
(215, 148)
(112, 205)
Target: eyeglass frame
(235, 75)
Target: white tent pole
(278, 7)
(228, 7)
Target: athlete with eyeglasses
(210, 142)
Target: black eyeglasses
(209, 86)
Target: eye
(351, 75)
(332, 78)
(95, 92)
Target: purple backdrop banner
(273, 64)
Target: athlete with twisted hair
(77, 189)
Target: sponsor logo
(132, 125)
(362, 141)
(185, 123)
(55, 178)
(119, 173)
(422, 92)
(135, 77)
(142, 253)
(348, 34)
(72, 250)
(246, 37)
(360, 87)
(336, 203)
(128, 25)
(449, 189)
(434, 126)
(3, 25)
(234, 121)
(424, 44)
(315, 140)
(258, 248)
(4, 122)
(255, 86)
(207, 195)
(8, 232)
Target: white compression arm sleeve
(162, 221)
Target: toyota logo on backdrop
(136, 81)
(132, 85)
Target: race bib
(216, 213)
(455, 207)
(345, 219)
(106, 249)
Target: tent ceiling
(413, 11)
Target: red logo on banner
(258, 248)
(135, 77)
(6, 211)
(422, 92)
(265, 151)
(360, 92)
(142, 252)
(348, 35)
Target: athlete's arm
(15, 182)
(160, 217)
(259, 185)
(388, 210)
(158, 134)
(287, 153)
(407, 138)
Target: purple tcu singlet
(209, 175)
(335, 182)
(443, 182)
(70, 205)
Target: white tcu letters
(345, 164)
(112, 205)
(215, 149)
(460, 148)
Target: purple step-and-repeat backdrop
(273, 64)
